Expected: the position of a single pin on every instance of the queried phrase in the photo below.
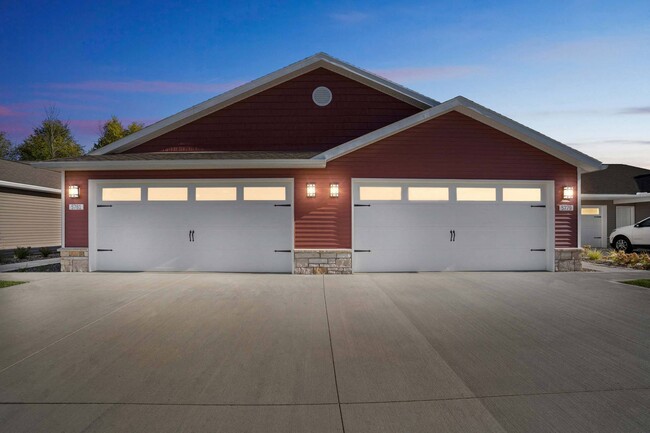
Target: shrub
(21, 252)
(45, 252)
(641, 261)
(593, 254)
(589, 253)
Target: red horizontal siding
(452, 146)
(285, 118)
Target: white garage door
(436, 226)
(185, 226)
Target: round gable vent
(321, 96)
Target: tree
(52, 139)
(7, 150)
(113, 130)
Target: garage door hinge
(361, 251)
(102, 249)
(282, 251)
(104, 205)
(538, 249)
(282, 205)
(537, 205)
(361, 205)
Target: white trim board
(319, 60)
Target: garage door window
(522, 194)
(167, 194)
(216, 194)
(121, 194)
(590, 211)
(265, 193)
(428, 194)
(380, 193)
(476, 194)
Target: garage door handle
(538, 249)
(282, 251)
(451, 235)
(454, 235)
(282, 205)
(361, 205)
(537, 205)
(361, 251)
(191, 235)
(103, 249)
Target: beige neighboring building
(30, 206)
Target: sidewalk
(33, 264)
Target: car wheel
(621, 243)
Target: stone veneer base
(568, 259)
(317, 262)
(74, 259)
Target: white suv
(630, 237)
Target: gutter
(192, 164)
(25, 186)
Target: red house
(322, 167)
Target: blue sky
(578, 71)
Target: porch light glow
(334, 190)
(73, 191)
(568, 193)
(311, 189)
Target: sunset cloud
(143, 86)
(433, 73)
(635, 110)
(5, 111)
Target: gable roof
(614, 179)
(319, 60)
(477, 112)
(20, 175)
(459, 104)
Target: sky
(575, 70)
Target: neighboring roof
(477, 112)
(184, 156)
(320, 60)
(188, 160)
(459, 104)
(614, 179)
(21, 175)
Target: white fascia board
(25, 186)
(479, 113)
(642, 197)
(256, 86)
(386, 131)
(181, 164)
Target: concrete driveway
(447, 352)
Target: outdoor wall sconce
(334, 190)
(311, 189)
(73, 191)
(568, 193)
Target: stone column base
(74, 259)
(568, 259)
(316, 262)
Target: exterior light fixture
(568, 193)
(311, 189)
(334, 190)
(73, 191)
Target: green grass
(10, 283)
(641, 283)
